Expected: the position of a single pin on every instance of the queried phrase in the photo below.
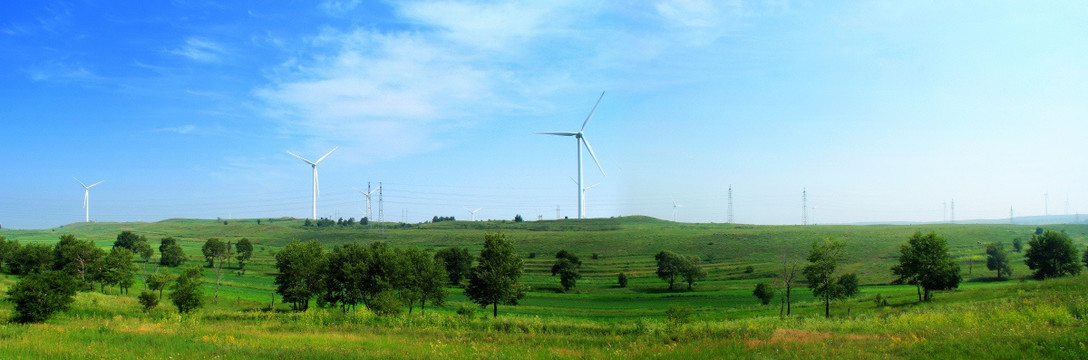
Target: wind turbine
(674, 207)
(367, 194)
(87, 199)
(583, 191)
(473, 212)
(314, 165)
(579, 139)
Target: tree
(824, 258)
(76, 257)
(37, 296)
(143, 250)
(669, 266)
(186, 292)
(31, 259)
(787, 276)
(568, 267)
(213, 249)
(158, 281)
(764, 292)
(996, 260)
(494, 279)
(1017, 245)
(301, 273)
(346, 267)
(1085, 258)
(424, 279)
(1051, 255)
(925, 263)
(171, 253)
(245, 251)
(128, 240)
(119, 269)
(518, 218)
(691, 271)
(457, 261)
(8, 248)
(849, 285)
(621, 280)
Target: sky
(877, 110)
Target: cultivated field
(985, 318)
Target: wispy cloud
(182, 130)
(202, 50)
(59, 71)
(339, 7)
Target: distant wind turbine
(473, 212)
(314, 165)
(579, 139)
(583, 191)
(367, 194)
(87, 199)
(674, 207)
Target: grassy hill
(723, 303)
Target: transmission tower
(952, 212)
(804, 206)
(1010, 215)
(729, 217)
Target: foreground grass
(1047, 319)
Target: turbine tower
(583, 194)
(87, 199)
(674, 207)
(579, 139)
(367, 194)
(473, 212)
(313, 164)
(729, 217)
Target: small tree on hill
(37, 296)
(924, 262)
(691, 271)
(996, 260)
(158, 281)
(245, 251)
(669, 266)
(171, 254)
(213, 249)
(187, 294)
(31, 259)
(824, 258)
(8, 248)
(1051, 255)
(1017, 245)
(568, 266)
(301, 273)
(76, 257)
(458, 262)
(148, 300)
(787, 277)
(494, 279)
(764, 292)
(621, 280)
(119, 269)
(128, 240)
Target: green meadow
(1014, 318)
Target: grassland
(1000, 319)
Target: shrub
(466, 310)
(749, 269)
(676, 316)
(149, 300)
(532, 255)
(622, 280)
(37, 296)
(386, 303)
(764, 292)
(595, 256)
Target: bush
(386, 303)
(532, 255)
(749, 269)
(466, 310)
(622, 280)
(149, 300)
(595, 256)
(764, 292)
(676, 316)
(38, 296)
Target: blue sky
(882, 110)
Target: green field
(983, 318)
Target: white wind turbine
(674, 207)
(314, 165)
(583, 193)
(473, 212)
(367, 195)
(87, 199)
(579, 139)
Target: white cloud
(182, 130)
(56, 71)
(202, 50)
(339, 7)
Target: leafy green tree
(345, 269)
(148, 300)
(568, 266)
(691, 271)
(171, 254)
(119, 268)
(849, 285)
(213, 249)
(764, 292)
(824, 258)
(1085, 258)
(1017, 245)
(669, 266)
(301, 273)
(128, 240)
(996, 260)
(1051, 255)
(76, 257)
(186, 292)
(245, 251)
(143, 250)
(621, 280)
(494, 279)
(518, 218)
(31, 259)
(424, 279)
(925, 263)
(158, 281)
(38, 295)
(457, 261)
(8, 248)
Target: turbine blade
(590, 148)
(80, 182)
(317, 182)
(301, 158)
(326, 155)
(592, 186)
(86, 199)
(575, 181)
(591, 112)
(92, 185)
(559, 133)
